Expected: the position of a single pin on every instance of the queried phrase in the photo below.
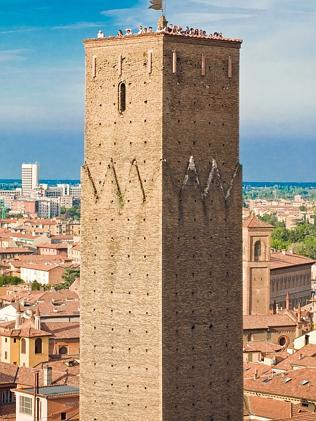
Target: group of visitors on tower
(169, 29)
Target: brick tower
(256, 266)
(161, 297)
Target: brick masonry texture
(161, 310)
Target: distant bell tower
(256, 266)
(161, 289)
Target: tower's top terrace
(166, 30)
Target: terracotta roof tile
(263, 322)
(27, 330)
(282, 260)
(264, 347)
(300, 384)
(299, 357)
(267, 408)
(253, 222)
(62, 330)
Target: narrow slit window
(122, 97)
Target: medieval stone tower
(256, 266)
(161, 297)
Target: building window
(23, 346)
(5, 355)
(38, 346)
(122, 97)
(283, 340)
(6, 397)
(63, 350)
(5, 339)
(25, 405)
(63, 416)
(257, 250)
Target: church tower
(161, 289)
(256, 266)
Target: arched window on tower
(38, 346)
(122, 97)
(23, 346)
(257, 250)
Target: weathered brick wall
(201, 290)
(161, 267)
(121, 298)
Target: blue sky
(42, 78)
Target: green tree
(270, 219)
(307, 247)
(69, 277)
(36, 286)
(299, 233)
(10, 280)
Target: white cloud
(7, 56)
(78, 25)
(18, 30)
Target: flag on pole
(156, 4)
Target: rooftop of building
(261, 346)
(285, 259)
(164, 29)
(252, 322)
(305, 357)
(262, 407)
(28, 298)
(42, 267)
(50, 391)
(26, 330)
(6, 250)
(56, 246)
(252, 221)
(267, 408)
(57, 330)
(299, 384)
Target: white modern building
(48, 207)
(30, 178)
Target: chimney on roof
(300, 357)
(299, 312)
(256, 375)
(48, 375)
(18, 316)
(274, 307)
(37, 319)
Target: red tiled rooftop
(27, 330)
(264, 347)
(298, 357)
(267, 408)
(299, 384)
(52, 246)
(44, 267)
(263, 322)
(15, 250)
(282, 260)
(253, 222)
(62, 330)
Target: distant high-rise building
(30, 177)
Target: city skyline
(42, 61)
